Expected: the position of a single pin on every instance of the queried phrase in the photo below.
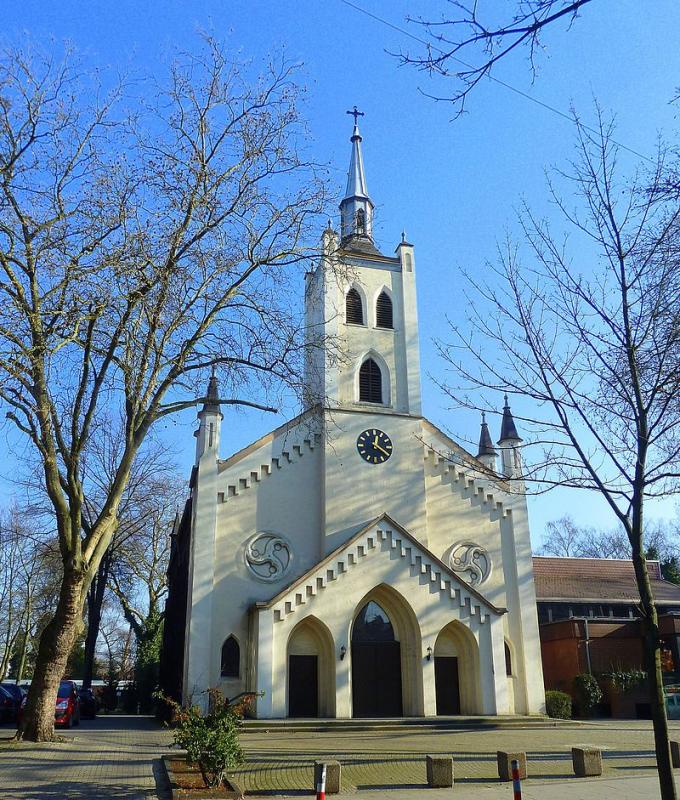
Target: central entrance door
(376, 665)
(303, 686)
(446, 685)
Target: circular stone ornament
(471, 561)
(268, 556)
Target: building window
(370, 382)
(383, 311)
(354, 312)
(508, 659)
(361, 222)
(231, 658)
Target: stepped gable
(597, 579)
(383, 533)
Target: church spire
(356, 207)
(486, 452)
(510, 443)
(508, 429)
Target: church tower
(361, 311)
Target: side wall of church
(275, 489)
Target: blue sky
(452, 185)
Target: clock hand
(378, 447)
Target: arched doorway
(311, 670)
(456, 671)
(376, 664)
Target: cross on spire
(356, 114)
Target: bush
(558, 705)
(588, 691)
(211, 741)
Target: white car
(673, 705)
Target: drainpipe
(590, 671)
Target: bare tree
(563, 537)
(485, 39)
(153, 485)
(592, 343)
(139, 248)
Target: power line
(500, 82)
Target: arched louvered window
(370, 382)
(231, 658)
(383, 311)
(361, 222)
(354, 311)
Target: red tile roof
(597, 579)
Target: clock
(374, 446)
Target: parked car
(67, 711)
(8, 710)
(89, 705)
(673, 703)
(17, 694)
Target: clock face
(374, 446)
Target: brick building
(589, 621)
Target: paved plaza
(118, 757)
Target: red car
(67, 710)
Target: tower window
(231, 658)
(354, 311)
(370, 382)
(383, 311)
(361, 222)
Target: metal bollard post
(321, 784)
(516, 783)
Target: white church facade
(356, 562)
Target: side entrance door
(303, 686)
(446, 685)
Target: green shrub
(588, 691)
(558, 705)
(625, 680)
(211, 741)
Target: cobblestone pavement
(281, 763)
(112, 757)
(118, 758)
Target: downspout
(590, 671)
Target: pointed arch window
(361, 222)
(370, 382)
(231, 658)
(354, 311)
(372, 625)
(383, 311)
(508, 660)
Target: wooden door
(376, 679)
(446, 685)
(303, 686)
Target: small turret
(210, 419)
(487, 452)
(510, 441)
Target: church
(356, 561)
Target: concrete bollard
(504, 761)
(333, 775)
(439, 771)
(587, 761)
(675, 754)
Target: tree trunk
(95, 601)
(652, 649)
(55, 646)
